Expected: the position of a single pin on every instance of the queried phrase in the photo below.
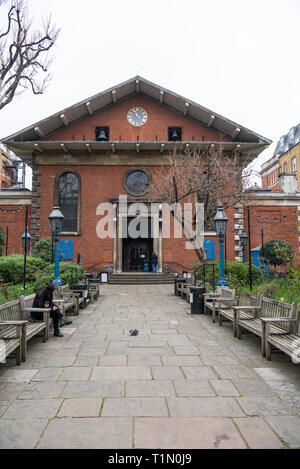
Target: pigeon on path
(133, 332)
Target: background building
(286, 159)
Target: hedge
(12, 268)
(237, 273)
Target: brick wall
(13, 218)
(278, 222)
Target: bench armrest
(266, 320)
(12, 323)
(245, 307)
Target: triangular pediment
(139, 88)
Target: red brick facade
(13, 218)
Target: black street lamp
(244, 240)
(56, 220)
(220, 221)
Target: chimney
(288, 183)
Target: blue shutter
(209, 245)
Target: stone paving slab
(19, 434)
(193, 388)
(84, 407)
(189, 433)
(135, 407)
(258, 434)
(204, 407)
(148, 388)
(120, 372)
(287, 427)
(42, 390)
(87, 433)
(264, 406)
(78, 389)
(224, 387)
(33, 409)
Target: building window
(68, 197)
(294, 164)
(285, 167)
(137, 181)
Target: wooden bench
(10, 339)
(18, 312)
(245, 302)
(65, 299)
(93, 288)
(223, 298)
(272, 310)
(186, 288)
(287, 339)
(66, 292)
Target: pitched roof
(136, 85)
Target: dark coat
(154, 258)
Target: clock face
(137, 116)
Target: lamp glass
(220, 221)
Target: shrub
(43, 249)
(69, 273)
(12, 268)
(237, 274)
(277, 252)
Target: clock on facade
(137, 116)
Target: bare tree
(207, 175)
(24, 51)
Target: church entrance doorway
(137, 250)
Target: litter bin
(176, 281)
(197, 299)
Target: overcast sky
(239, 58)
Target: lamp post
(244, 240)
(25, 238)
(220, 221)
(56, 219)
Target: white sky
(239, 58)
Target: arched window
(67, 197)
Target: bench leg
(263, 340)
(45, 335)
(220, 319)
(18, 355)
(213, 314)
(234, 327)
(238, 332)
(268, 351)
(23, 349)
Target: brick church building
(110, 145)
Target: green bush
(237, 274)
(277, 252)
(12, 268)
(12, 292)
(43, 249)
(69, 273)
